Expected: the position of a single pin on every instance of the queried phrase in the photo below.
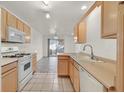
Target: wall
(68, 44)
(34, 46)
(102, 47)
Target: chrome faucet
(92, 54)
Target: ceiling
(64, 14)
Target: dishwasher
(88, 83)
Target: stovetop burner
(16, 55)
(12, 56)
(22, 54)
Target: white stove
(24, 65)
(25, 70)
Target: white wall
(69, 44)
(102, 47)
(45, 45)
(34, 46)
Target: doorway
(55, 46)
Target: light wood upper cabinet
(80, 32)
(27, 32)
(109, 19)
(19, 25)
(3, 24)
(76, 34)
(11, 20)
(7, 19)
(9, 77)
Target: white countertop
(104, 72)
(5, 61)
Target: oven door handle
(25, 62)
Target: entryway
(55, 46)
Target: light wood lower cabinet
(34, 62)
(68, 67)
(63, 68)
(63, 65)
(71, 71)
(76, 83)
(9, 77)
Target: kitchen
(92, 24)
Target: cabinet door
(34, 62)
(27, 32)
(82, 32)
(19, 25)
(9, 81)
(63, 67)
(11, 20)
(109, 19)
(76, 34)
(71, 70)
(3, 25)
(76, 80)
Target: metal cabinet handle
(82, 69)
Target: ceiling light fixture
(45, 2)
(47, 15)
(84, 7)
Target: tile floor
(47, 65)
(46, 80)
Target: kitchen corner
(102, 72)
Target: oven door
(25, 68)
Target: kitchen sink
(85, 58)
(88, 59)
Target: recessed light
(84, 7)
(47, 15)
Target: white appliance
(25, 71)
(14, 35)
(24, 64)
(88, 83)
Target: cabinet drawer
(8, 67)
(9, 81)
(63, 57)
(63, 68)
